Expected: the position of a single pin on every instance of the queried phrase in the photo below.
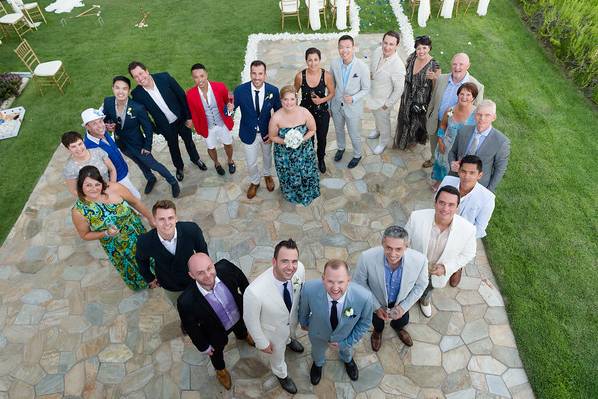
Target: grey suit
(358, 86)
(370, 274)
(355, 319)
(433, 108)
(494, 153)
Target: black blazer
(173, 95)
(199, 319)
(170, 270)
(130, 136)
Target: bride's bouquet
(293, 139)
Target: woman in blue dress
(462, 114)
(291, 129)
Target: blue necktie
(286, 296)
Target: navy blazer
(244, 99)
(130, 136)
(173, 95)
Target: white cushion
(47, 68)
(288, 5)
(11, 19)
(29, 6)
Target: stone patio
(70, 328)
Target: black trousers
(322, 123)
(147, 163)
(178, 128)
(395, 324)
(217, 357)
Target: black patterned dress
(319, 112)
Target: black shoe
(295, 346)
(315, 374)
(288, 385)
(232, 168)
(339, 155)
(200, 164)
(322, 166)
(220, 170)
(180, 175)
(352, 370)
(176, 190)
(353, 163)
(150, 186)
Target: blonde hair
(286, 90)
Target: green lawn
(542, 239)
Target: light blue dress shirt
(393, 280)
(482, 137)
(449, 97)
(346, 71)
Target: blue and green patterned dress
(122, 247)
(297, 169)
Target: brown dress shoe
(405, 337)
(427, 164)
(224, 378)
(269, 183)
(376, 341)
(456, 278)
(249, 340)
(252, 190)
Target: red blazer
(198, 113)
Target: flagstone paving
(69, 327)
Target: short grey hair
(395, 231)
(488, 104)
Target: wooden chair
(469, 3)
(18, 21)
(321, 8)
(289, 8)
(333, 10)
(32, 11)
(49, 73)
(414, 4)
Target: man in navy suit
(126, 118)
(165, 101)
(257, 100)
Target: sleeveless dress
(319, 112)
(441, 165)
(122, 247)
(297, 169)
(411, 123)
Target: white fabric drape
(423, 12)
(341, 14)
(314, 14)
(447, 8)
(483, 7)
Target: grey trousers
(353, 127)
(382, 119)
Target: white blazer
(460, 247)
(387, 82)
(264, 312)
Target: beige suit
(388, 80)
(439, 88)
(460, 246)
(267, 318)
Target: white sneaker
(379, 149)
(426, 309)
(374, 134)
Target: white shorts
(125, 181)
(218, 134)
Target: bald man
(213, 307)
(444, 96)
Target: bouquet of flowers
(293, 139)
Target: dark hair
(256, 63)
(70, 137)
(135, 64)
(93, 173)
(470, 87)
(163, 204)
(313, 50)
(346, 37)
(474, 159)
(336, 264)
(394, 34)
(122, 79)
(288, 244)
(198, 66)
(448, 189)
(423, 40)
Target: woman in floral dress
(105, 212)
(291, 129)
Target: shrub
(570, 28)
(9, 85)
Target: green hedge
(571, 28)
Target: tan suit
(439, 88)
(388, 80)
(267, 318)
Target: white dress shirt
(280, 286)
(339, 305)
(159, 100)
(476, 207)
(169, 245)
(262, 94)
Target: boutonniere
(269, 96)
(296, 283)
(449, 113)
(130, 112)
(348, 312)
